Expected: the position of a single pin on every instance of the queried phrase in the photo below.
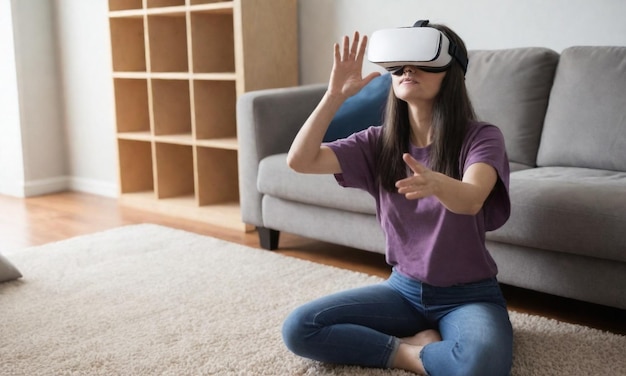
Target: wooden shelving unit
(178, 69)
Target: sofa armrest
(267, 123)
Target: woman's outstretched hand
(422, 183)
(346, 77)
(307, 153)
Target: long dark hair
(452, 112)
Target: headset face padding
(424, 47)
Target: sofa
(563, 116)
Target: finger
(362, 47)
(410, 191)
(405, 183)
(355, 44)
(346, 47)
(412, 196)
(413, 164)
(370, 77)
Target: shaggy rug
(151, 300)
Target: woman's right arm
(307, 154)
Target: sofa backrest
(510, 89)
(585, 124)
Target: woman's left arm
(465, 196)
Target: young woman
(440, 180)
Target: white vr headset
(420, 45)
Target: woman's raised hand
(346, 77)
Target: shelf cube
(174, 170)
(214, 108)
(217, 176)
(131, 105)
(171, 107)
(128, 44)
(211, 32)
(136, 159)
(168, 43)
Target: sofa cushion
(585, 124)
(567, 209)
(510, 89)
(362, 110)
(278, 180)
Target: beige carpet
(150, 300)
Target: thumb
(367, 79)
(413, 164)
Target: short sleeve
(356, 156)
(485, 144)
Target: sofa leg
(268, 238)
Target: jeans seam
(422, 360)
(394, 345)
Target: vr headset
(423, 46)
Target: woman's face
(416, 86)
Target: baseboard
(96, 187)
(65, 183)
(45, 186)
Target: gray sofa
(564, 121)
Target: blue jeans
(363, 326)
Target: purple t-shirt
(424, 240)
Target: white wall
(11, 162)
(56, 91)
(38, 100)
(83, 148)
(85, 57)
(483, 24)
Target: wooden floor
(40, 220)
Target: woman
(440, 180)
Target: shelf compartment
(174, 170)
(212, 32)
(168, 43)
(136, 171)
(124, 4)
(171, 107)
(131, 105)
(214, 109)
(164, 3)
(128, 44)
(217, 176)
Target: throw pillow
(362, 110)
(8, 272)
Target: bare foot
(423, 338)
(408, 355)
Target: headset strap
(421, 23)
(453, 49)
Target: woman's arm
(460, 197)
(307, 154)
